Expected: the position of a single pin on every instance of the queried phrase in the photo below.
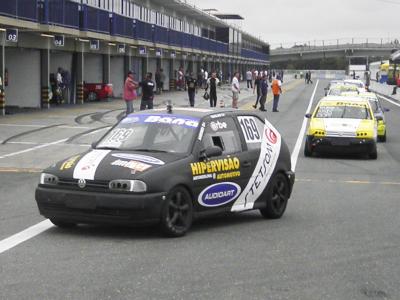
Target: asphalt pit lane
(374, 294)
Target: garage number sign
(12, 35)
(59, 41)
(142, 51)
(94, 45)
(121, 48)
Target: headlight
(46, 178)
(136, 186)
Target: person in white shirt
(249, 78)
(235, 90)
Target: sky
(303, 21)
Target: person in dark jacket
(212, 83)
(191, 83)
(257, 87)
(264, 92)
(147, 86)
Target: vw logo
(82, 183)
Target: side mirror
(94, 145)
(211, 152)
(308, 116)
(379, 118)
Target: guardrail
(20, 9)
(338, 44)
(61, 12)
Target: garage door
(166, 70)
(117, 75)
(23, 66)
(93, 68)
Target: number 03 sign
(12, 35)
(250, 129)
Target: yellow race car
(379, 112)
(342, 125)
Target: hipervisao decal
(133, 165)
(214, 166)
(217, 125)
(262, 173)
(219, 194)
(69, 163)
(139, 157)
(228, 175)
(87, 166)
(205, 176)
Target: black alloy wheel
(277, 197)
(177, 213)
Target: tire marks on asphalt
(30, 132)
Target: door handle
(246, 164)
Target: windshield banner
(185, 121)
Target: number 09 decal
(250, 129)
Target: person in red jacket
(130, 94)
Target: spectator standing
(249, 78)
(306, 78)
(264, 91)
(235, 90)
(130, 94)
(309, 78)
(157, 77)
(257, 87)
(192, 88)
(277, 91)
(147, 92)
(212, 83)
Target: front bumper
(99, 208)
(346, 145)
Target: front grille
(91, 185)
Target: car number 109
(250, 129)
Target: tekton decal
(219, 194)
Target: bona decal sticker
(138, 157)
(219, 194)
(179, 120)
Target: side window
(222, 132)
(252, 128)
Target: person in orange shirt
(277, 91)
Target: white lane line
(296, 150)
(24, 235)
(33, 143)
(388, 100)
(33, 148)
(41, 126)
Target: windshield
(152, 133)
(338, 90)
(343, 111)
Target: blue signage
(142, 50)
(219, 194)
(59, 41)
(94, 44)
(12, 35)
(121, 48)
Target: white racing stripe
(296, 150)
(24, 235)
(388, 100)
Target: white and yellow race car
(342, 125)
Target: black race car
(170, 166)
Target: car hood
(107, 164)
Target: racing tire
(307, 150)
(62, 224)
(277, 197)
(177, 213)
(373, 154)
(382, 138)
(92, 96)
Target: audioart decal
(219, 194)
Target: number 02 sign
(12, 35)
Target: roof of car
(195, 112)
(342, 99)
